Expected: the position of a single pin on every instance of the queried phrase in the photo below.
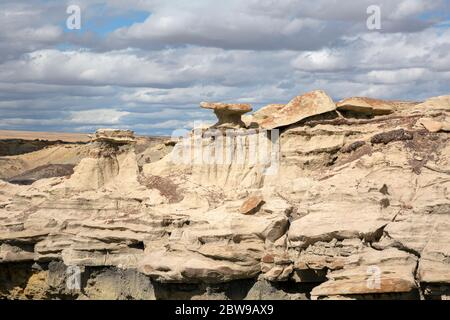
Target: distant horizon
(2, 131)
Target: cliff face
(346, 200)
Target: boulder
(430, 124)
(367, 106)
(251, 205)
(301, 107)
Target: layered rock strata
(356, 205)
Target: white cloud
(322, 60)
(97, 116)
(398, 76)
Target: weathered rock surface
(228, 114)
(366, 106)
(299, 108)
(343, 206)
(435, 126)
(251, 205)
(114, 136)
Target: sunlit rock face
(228, 114)
(303, 200)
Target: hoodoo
(228, 114)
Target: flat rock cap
(238, 108)
(114, 135)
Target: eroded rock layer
(342, 202)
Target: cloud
(97, 116)
(268, 25)
(149, 74)
(397, 76)
(322, 60)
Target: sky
(146, 65)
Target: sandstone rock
(115, 136)
(373, 273)
(430, 124)
(336, 220)
(299, 108)
(261, 114)
(433, 125)
(251, 205)
(435, 103)
(367, 106)
(228, 114)
(347, 198)
(267, 111)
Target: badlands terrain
(308, 199)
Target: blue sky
(147, 64)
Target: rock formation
(228, 115)
(299, 108)
(348, 201)
(114, 136)
(366, 106)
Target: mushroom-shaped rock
(228, 114)
(301, 107)
(367, 106)
(114, 136)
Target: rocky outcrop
(114, 136)
(351, 204)
(299, 108)
(366, 106)
(228, 114)
(435, 126)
